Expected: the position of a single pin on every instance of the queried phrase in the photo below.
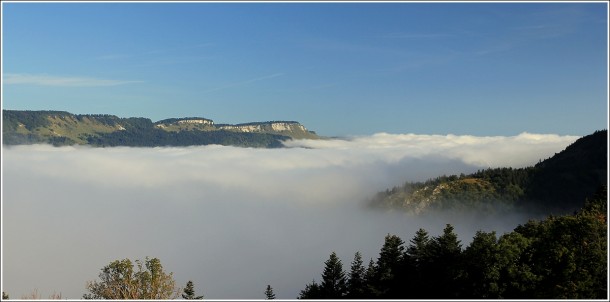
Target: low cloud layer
(231, 219)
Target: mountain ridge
(64, 128)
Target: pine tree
(418, 278)
(418, 249)
(333, 284)
(311, 291)
(445, 258)
(189, 292)
(370, 280)
(269, 293)
(356, 282)
(389, 264)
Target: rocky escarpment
(290, 128)
(63, 128)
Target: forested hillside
(556, 185)
(560, 257)
(63, 128)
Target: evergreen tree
(417, 250)
(333, 285)
(562, 257)
(388, 266)
(269, 293)
(417, 278)
(444, 262)
(370, 280)
(311, 291)
(189, 292)
(356, 283)
(481, 267)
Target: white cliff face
(197, 121)
(279, 127)
(287, 127)
(186, 122)
(243, 128)
(251, 128)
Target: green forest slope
(556, 185)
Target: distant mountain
(556, 185)
(64, 128)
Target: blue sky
(338, 68)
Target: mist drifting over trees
(246, 212)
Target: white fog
(230, 219)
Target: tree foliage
(121, 280)
(311, 291)
(269, 294)
(388, 267)
(556, 185)
(356, 278)
(560, 257)
(333, 284)
(189, 292)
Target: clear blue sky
(340, 69)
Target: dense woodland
(560, 257)
(556, 185)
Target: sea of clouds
(230, 219)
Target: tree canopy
(120, 280)
(560, 257)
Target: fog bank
(231, 219)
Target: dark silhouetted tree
(269, 295)
(370, 279)
(333, 285)
(481, 261)
(311, 291)
(416, 278)
(388, 266)
(189, 292)
(444, 262)
(356, 285)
